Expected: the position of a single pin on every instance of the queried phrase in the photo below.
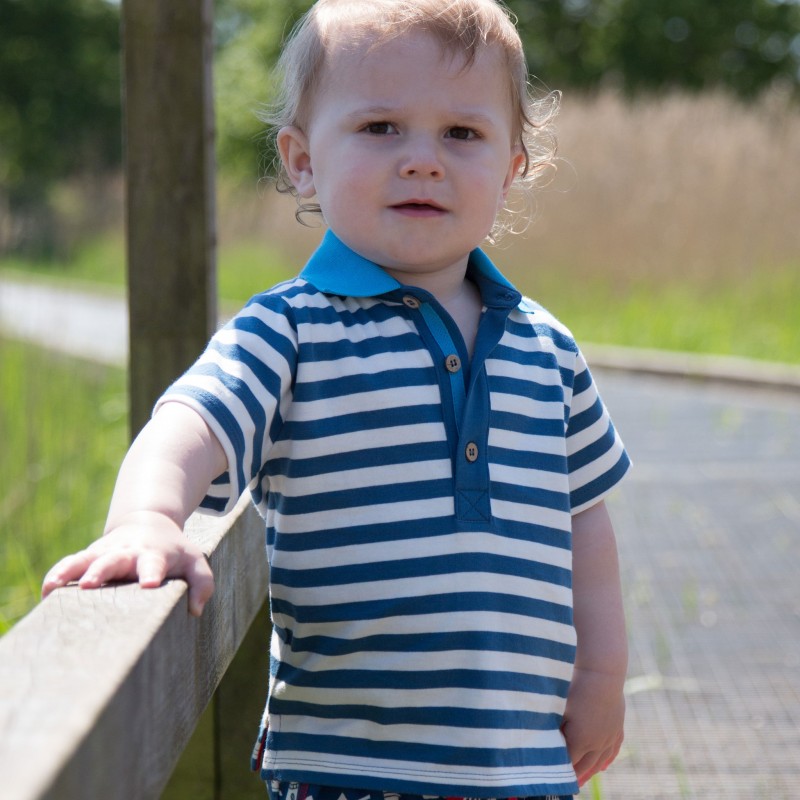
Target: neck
(445, 284)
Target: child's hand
(593, 722)
(149, 547)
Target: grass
(98, 261)
(64, 429)
(752, 315)
(249, 267)
(595, 788)
(244, 268)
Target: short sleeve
(240, 386)
(596, 457)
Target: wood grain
(169, 163)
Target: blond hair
(461, 27)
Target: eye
(462, 133)
(379, 128)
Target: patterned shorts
(304, 791)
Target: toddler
(426, 445)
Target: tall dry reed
(700, 187)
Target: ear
(515, 166)
(296, 158)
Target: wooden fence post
(171, 236)
(171, 255)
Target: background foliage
(646, 45)
(59, 103)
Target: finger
(607, 762)
(151, 568)
(611, 757)
(200, 579)
(595, 762)
(117, 566)
(69, 568)
(587, 766)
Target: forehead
(409, 63)
(363, 40)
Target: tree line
(60, 101)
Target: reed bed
(697, 187)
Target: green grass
(754, 316)
(595, 788)
(248, 268)
(98, 261)
(64, 429)
(243, 269)
(64, 426)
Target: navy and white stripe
(418, 524)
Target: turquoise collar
(336, 269)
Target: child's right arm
(163, 478)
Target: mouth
(419, 208)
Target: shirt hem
(425, 782)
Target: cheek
(494, 189)
(359, 172)
(344, 194)
(355, 192)
(345, 178)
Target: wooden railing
(101, 690)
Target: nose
(421, 160)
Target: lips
(419, 208)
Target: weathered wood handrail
(101, 690)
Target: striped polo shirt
(418, 511)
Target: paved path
(709, 533)
(69, 320)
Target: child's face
(409, 155)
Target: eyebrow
(373, 111)
(467, 116)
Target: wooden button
(453, 363)
(411, 301)
(471, 452)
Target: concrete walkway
(709, 534)
(92, 324)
